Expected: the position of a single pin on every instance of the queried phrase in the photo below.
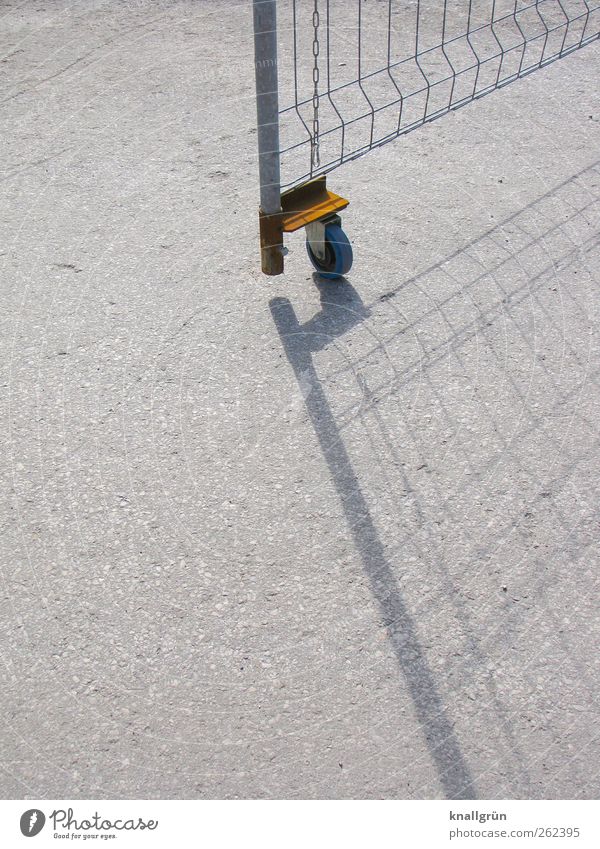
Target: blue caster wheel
(338, 253)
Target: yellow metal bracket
(300, 206)
(307, 203)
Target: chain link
(315, 155)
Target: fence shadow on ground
(342, 310)
(452, 769)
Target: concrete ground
(269, 537)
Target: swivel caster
(313, 206)
(328, 247)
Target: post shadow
(341, 308)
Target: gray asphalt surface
(268, 537)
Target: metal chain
(314, 148)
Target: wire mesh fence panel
(355, 74)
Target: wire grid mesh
(355, 74)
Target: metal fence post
(267, 110)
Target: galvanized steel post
(267, 110)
